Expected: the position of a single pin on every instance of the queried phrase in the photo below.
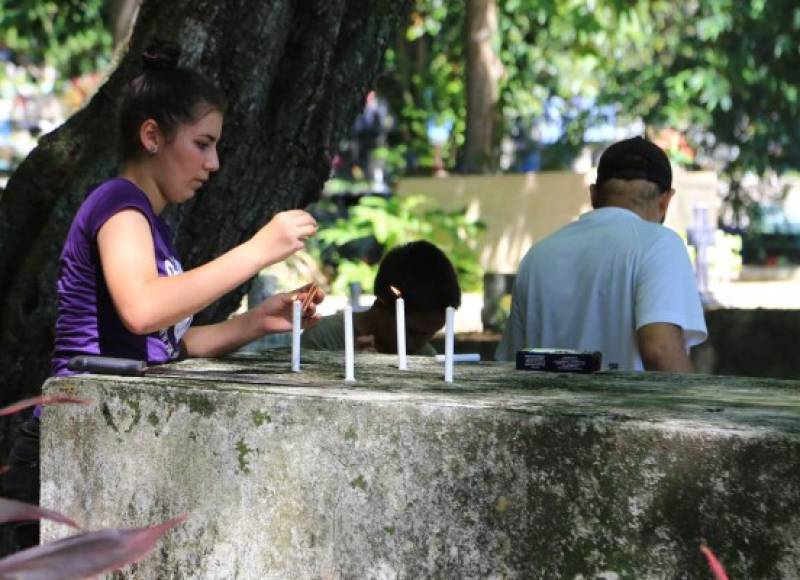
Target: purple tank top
(87, 322)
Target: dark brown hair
(423, 274)
(165, 92)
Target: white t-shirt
(592, 284)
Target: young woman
(121, 289)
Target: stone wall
(502, 474)
(756, 343)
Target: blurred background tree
(532, 51)
(723, 74)
(726, 74)
(75, 36)
(464, 78)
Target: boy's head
(427, 282)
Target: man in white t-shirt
(615, 280)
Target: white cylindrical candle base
(349, 349)
(449, 343)
(400, 315)
(296, 326)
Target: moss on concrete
(243, 451)
(260, 418)
(359, 482)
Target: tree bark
(295, 74)
(484, 71)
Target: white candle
(400, 314)
(296, 316)
(449, 343)
(349, 355)
(462, 357)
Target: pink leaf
(41, 400)
(17, 511)
(86, 555)
(716, 568)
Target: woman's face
(186, 162)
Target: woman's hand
(286, 233)
(275, 313)
(272, 315)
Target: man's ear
(663, 202)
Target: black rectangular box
(559, 360)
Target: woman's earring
(152, 150)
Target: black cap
(635, 158)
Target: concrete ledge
(502, 474)
(750, 342)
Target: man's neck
(648, 212)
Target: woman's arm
(147, 302)
(273, 315)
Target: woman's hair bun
(161, 56)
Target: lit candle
(449, 340)
(297, 308)
(349, 355)
(400, 316)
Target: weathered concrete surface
(504, 474)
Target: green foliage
(72, 35)
(724, 72)
(349, 271)
(547, 49)
(395, 221)
(425, 70)
(393, 158)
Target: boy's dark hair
(165, 92)
(424, 276)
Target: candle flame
(396, 292)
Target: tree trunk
(122, 15)
(295, 75)
(484, 71)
